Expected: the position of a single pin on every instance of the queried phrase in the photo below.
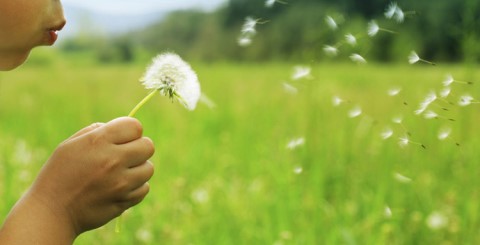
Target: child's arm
(90, 179)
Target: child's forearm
(34, 222)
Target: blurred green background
(269, 159)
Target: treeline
(446, 30)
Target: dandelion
(386, 133)
(414, 58)
(399, 15)
(300, 72)
(391, 9)
(394, 91)
(172, 77)
(431, 97)
(355, 112)
(351, 39)
(402, 178)
(336, 101)
(290, 88)
(331, 23)
(330, 50)
(374, 28)
(437, 220)
(249, 26)
(449, 80)
(394, 11)
(295, 143)
(358, 59)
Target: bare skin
(93, 176)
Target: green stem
(139, 105)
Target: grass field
(225, 175)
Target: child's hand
(96, 174)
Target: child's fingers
(137, 152)
(86, 130)
(139, 175)
(136, 196)
(122, 130)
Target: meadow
(226, 174)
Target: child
(93, 176)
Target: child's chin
(13, 61)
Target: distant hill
(80, 20)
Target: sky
(135, 7)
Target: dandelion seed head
(355, 112)
(331, 23)
(351, 39)
(401, 178)
(437, 220)
(448, 80)
(300, 72)
(373, 28)
(330, 50)
(465, 100)
(358, 59)
(413, 57)
(173, 77)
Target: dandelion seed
(295, 143)
(172, 77)
(374, 28)
(355, 112)
(336, 101)
(437, 220)
(144, 235)
(449, 80)
(244, 41)
(358, 59)
(351, 39)
(397, 119)
(387, 212)
(391, 9)
(431, 97)
(414, 58)
(298, 170)
(466, 100)
(402, 178)
(270, 3)
(430, 114)
(249, 26)
(290, 88)
(445, 92)
(204, 99)
(403, 141)
(200, 196)
(394, 91)
(399, 15)
(331, 23)
(386, 133)
(444, 133)
(300, 72)
(330, 50)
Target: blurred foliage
(442, 30)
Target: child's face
(25, 24)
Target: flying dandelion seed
(330, 50)
(437, 221)
(391, 9)
(401, 178)
(397, 119)
(403, 141)
(394, 91)
(244, 41)
(301, 72)
(295, 143)
(444, 93)
(386, 133)
(249, 26)
(351, 39)
(444, 133)
(358, 59)
(270, 3)
(466, 100)
(387, 212)
(430, 114)
(331, 23)
(431, 97)
(298, 170)
(399, 15)
(374, 28)
(414, 58)
(355, 112)
(336, 101)
(290, 88)
(449, 80)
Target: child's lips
(52, 34)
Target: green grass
(224, 175)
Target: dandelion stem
(428, 62)
(389, 31)
(139, 105)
